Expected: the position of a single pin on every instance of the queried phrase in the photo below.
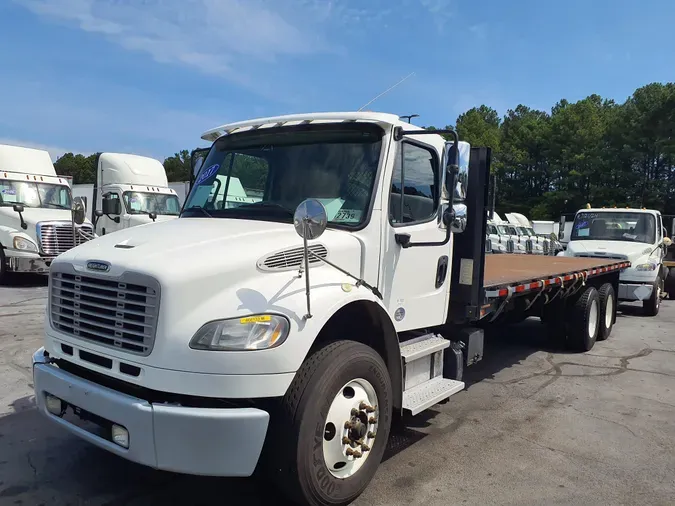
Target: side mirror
(310, 219)
(111, 206)
(98, 213)
(18, 208)
(667, 242)
(153, 215)
(79, 211)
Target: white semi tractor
(36, 212)
(129, 190)
(285, 333)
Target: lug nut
(372, 420)
(346, 441)
(353, 453)
(348, 425)
(355, 412)
(365, 447)
(371, 435)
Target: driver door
(415, 280)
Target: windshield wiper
(58, 206)
(267, 205)
(198, 208)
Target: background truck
(36, 221)
(130, 190)
(286, 334)
(634, 235)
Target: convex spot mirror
(310, 219)
(79, 210)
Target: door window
(414, 193)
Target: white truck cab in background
(636, 235)
(130, 190)
(36, 217)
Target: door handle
(441, 271)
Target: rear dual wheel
(591, 317)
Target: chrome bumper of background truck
(29, 264)
(635, 291)
(203, 441)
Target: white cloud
(54, 151)
(218, 37)
(440, 10)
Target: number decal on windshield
(348, 215)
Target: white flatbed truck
(284, 335)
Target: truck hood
(183, 251)
(624, 250)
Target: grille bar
(109, 311)
(57, 237)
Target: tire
(652, 305)
(584, 320)
(3, 266)
(607, 311)
(670, 284)
(302, 428)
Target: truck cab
(636, 235)
(36, 206)
(130, 190)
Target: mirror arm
(359, 281)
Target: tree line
(546, 163)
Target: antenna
(386, 91)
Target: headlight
(645, 267)
(23, 244)
(258, 332)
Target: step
(422, 346)
(431, 392)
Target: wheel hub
(356, 405)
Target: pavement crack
(30, 463)
(589, 415)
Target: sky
(150, 76)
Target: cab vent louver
(293, 258)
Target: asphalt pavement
(536, 425)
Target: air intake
(293, 258)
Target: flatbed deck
(508, 270)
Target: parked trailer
(287, 341)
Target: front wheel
(652, 305)
(334, 425)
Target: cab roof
(383, 119)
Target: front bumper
(202, 441)
(19, 261)
(635, 291)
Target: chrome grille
(56, 238)
(601, 255)
(112, 311)
(292, 258)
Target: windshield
(264, 175)
(502, 230)
(614, 226)
(34, 194)
(523, 231)
(145, 203)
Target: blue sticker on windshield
(9, 191)
(207, 173)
